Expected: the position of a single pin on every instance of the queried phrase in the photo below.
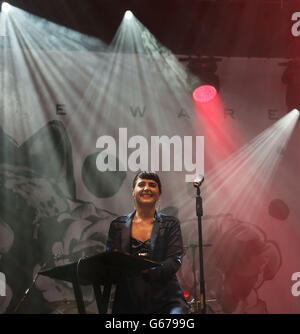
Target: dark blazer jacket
(159, 291)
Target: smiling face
(146, 192)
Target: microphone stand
(199, 212)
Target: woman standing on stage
(149, 233)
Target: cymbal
(65, 307)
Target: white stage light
(128, 15)
(296, 111)
(6, 7)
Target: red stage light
(204, 93)
(186, 294)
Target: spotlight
(5, 7)
(128, 15)
(204, 93)
(291, 77)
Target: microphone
(198, 180)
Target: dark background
(238, 28)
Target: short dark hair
(147, 176)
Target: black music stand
(102, 269)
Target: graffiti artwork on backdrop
(41, 217)
(238, 259)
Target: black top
(140, 248)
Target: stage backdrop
(67, 114)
